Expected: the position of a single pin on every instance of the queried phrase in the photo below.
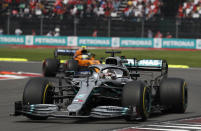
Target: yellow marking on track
(178, 66)
(13, 59)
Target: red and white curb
(7, 75)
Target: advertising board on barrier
(94, 41)
(115, 42)
(198, 44)
(29, 40)
(101, 41)
(72, 41)
(136, 42)
(47, 40)
(179, 43)
(12, 39)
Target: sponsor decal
(47, 40)
(157, 63)
(9, 39)
(146, 63)
(136, 42)
(78, 100)
(131, 62)
(97, 41)
(72, 41)
(115, 42)
(29, 40)
(157, 43)
(198, 44)
(66, 51)
(179, 43)
(81, 96)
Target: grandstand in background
(116, 18)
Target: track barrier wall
(101, 42)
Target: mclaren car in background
(128, 88)
(79, 61)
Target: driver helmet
(109, 74)
(84, 50)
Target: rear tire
(50, 67)
(136, 94)
(174, 95)
(72, 65)
(37, 91)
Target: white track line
(191, 125)
(161, 129)
(182, 127)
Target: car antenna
(135, 64)
(112, 54)
(87, 80)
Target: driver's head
(109, 74)
(84, 50)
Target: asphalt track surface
(11, 90)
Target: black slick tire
(37, 91)
(50, 67)
(173, 95)
(136, 96)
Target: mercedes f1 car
(80, 60)
(128, 88)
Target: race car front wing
(51, 110)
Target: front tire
(174, 95)
(136, 96)
(37, 91)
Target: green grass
(190, 58)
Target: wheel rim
(184, 96)
(146, 102)
(47, 95)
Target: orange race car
(85, 58)
(80, 61)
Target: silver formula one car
(128, 88)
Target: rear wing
(146, 65)
(64, 52)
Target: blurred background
(105, 18)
